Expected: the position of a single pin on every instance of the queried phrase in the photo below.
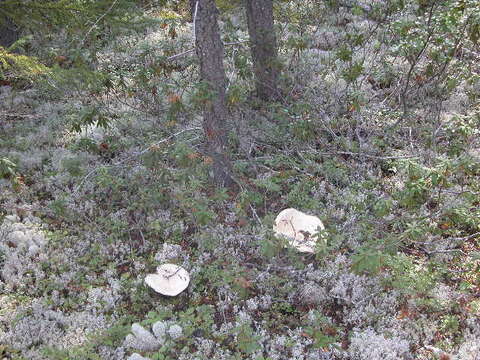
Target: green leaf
(367, 261)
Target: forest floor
(100, 184)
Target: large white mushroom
(300, 229)
(169, 280)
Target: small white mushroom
(136, 356)
(299, 228)
(170, 280)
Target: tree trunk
(263, 45)
(209, 48)
(8, 32)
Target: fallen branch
(369, 156)
(119, 163)
(192, 50)
(446, 251)
(96, 22)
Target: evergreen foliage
(73, 16)
(83, 25)
(19, 66)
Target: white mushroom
(299, 228)
(169, 280)
(136, 356)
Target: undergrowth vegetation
(103, 176)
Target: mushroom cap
(299, 228)
(169, 280)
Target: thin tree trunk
(8, 32)
(209, 48)
(263, 45)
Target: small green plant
(300, 194)
(450, 323)
(84, 352)
(85, 144)
(383, 207)
(323, 332)
(90, 116)
(368, 260)
(408, 277)
(7, 168)
(73, 166)
(335, 172)
(247, 342)
(462, 130)
(353, 72)
(271, 246)
(284, 308)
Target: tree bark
(8, 32)
(263, 45)
(209, 48)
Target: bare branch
(96, 22)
